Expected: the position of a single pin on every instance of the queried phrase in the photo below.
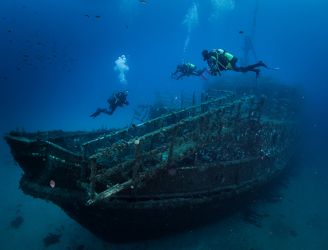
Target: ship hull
(122, 219)
(165, 201)
(174, 172)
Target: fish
(143, 1)
(52, 183)
(17, 222)
(51, 239)
(241, 32)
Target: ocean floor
(295, 217)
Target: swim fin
(261, 63)
(98, 112)
(275, 68)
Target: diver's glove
(214, 70)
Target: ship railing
(169, 145)
(268, 129)
(124, 149)
(104, 141)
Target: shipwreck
(165, 173)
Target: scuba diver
(219, 60)
(187, 69)
(117, 99)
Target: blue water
(57, 66)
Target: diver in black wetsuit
(219, 60)
(186, 69)
(116, 100)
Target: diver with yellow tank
(219, 60)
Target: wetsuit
(117, 100)
(186, 69)
(219, 60)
